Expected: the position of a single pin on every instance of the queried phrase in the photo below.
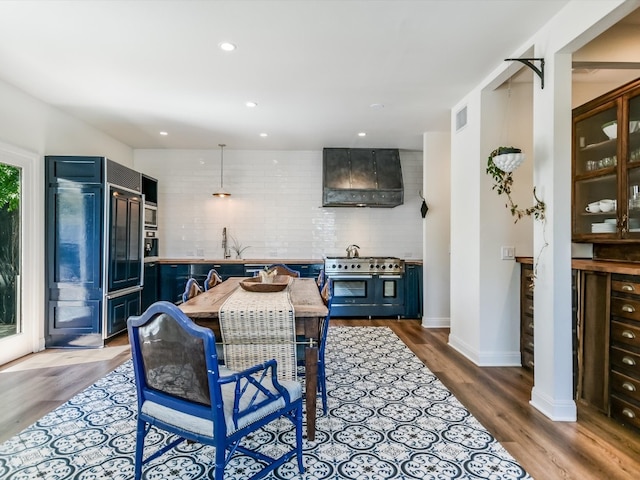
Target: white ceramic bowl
(610, 130)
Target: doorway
(21, 253)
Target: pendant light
(221, 192)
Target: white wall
(275, 207)
(473, 324)
(31, 129)
(437, 240)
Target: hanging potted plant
(501, 162)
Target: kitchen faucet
(225, 245)
(352, 251)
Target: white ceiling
(134, 68)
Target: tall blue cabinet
(93, 231)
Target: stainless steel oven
(366, 287)
(150, 216)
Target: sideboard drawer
(625, 386)
(624, 286)
(625, 361)
(625, 333)
(625, 412)
(625, 307)
(527, 359)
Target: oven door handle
(349, 277)
(386, 277)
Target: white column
(552, 393)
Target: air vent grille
(461, 118)
(122, 176)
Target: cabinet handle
(530, 363)
(628, 308)
(629, 386)
(629, 361)
(628, 334)
(627, 288)
(628, 413)
(530, 344)
(531, 307)
(531, 325)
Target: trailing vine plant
(503, 183)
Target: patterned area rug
(389, 418)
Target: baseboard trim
(435, 322)
(558, 411)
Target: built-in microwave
(150, 216)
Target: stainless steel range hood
(362, 177)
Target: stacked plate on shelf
(608, 226)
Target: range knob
(384, 266)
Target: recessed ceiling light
(251, 104)
(264, 134)
(164, 134)
(227, 46)
(376, 106)
(362, 134)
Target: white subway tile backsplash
(275, 208)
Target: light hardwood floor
(594, 447)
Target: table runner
(259, 326)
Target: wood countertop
(625, 268)
(248, 261)
(239, 261)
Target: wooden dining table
(309, 310)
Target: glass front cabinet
(606, 168)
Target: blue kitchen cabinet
(93, 235)
(307, 270)
(119, 309)
(150, 290)
(73, 238)
(228, 270)
(413, 291)
(173, 279)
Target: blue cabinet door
(150, 289)
(74, 265)
(173, 279)
(413, 291)
(119, 309)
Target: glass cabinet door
(595, 195)
(631, 221)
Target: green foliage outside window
(9, 243)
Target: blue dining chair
(191, 289)
(213, 279)
(181, 389)
(282, 269)
(327, 297)
(321, 279)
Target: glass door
(631, 228)
(21, 260)
(595, 173)
(10, 264)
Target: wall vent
(461, 118)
